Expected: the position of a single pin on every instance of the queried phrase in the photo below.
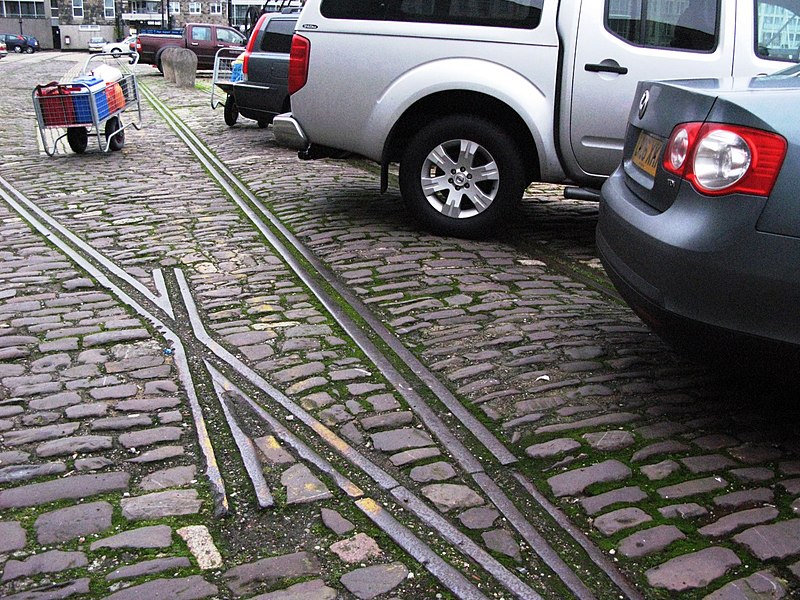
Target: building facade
(70, 24)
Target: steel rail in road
(289, 247)
(116, 281)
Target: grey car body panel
(704, 258)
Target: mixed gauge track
(204, 337)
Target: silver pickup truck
(477, 98)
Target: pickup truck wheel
(461, 175)
(231, 112)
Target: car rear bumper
(701, 262)
(289, 133)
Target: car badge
(643, 103)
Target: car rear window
(278, 36)
(522, 14)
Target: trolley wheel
(78, 139)
(118, 140)
(231, 111)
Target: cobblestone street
(228, 373)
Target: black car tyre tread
(115, 52)
(78, 139)
(117, 140)
(231, 111)
(494, 143)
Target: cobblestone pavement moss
(677, 474)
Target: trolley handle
(134, 58)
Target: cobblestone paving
(682, 479)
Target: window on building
(194, 8)
(215, 8)
(174, 8)
(54, 7)
(77, 9)
(683, 24)
(108, 9)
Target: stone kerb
(168, 63)
(185, 65)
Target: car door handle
(195, 43)
(606, 69)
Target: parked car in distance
(699, 227)
(126, 45)
(14, 42)
(201, 38)
(33, 44)
(96, 44)
(263, 91)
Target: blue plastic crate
(80, 99)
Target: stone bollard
(185, 65)
(168, 63)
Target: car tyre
(18, 49)
(231, 111)
(115, 52)
(29, 50)
(78, 139)
(117, 140)
(461, 176)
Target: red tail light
(138, 45)
(719, 159)
(298, 63)
(250, 43)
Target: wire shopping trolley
(88, 106)
(227, 71)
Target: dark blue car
(15, 42)
(699, 227)
(33, 44)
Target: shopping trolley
(227, 71)
(88, 106)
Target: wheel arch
(441, 104)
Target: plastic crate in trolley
(89, 105)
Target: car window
(496, 13)
(778, 29)
(677, 24)
(226, 35)
(278, 36)
(201, 34)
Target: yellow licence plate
(647, 153)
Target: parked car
(201, 38)
(539, 89)
(263, 91)
(33, 44)
(96, 44)
(3, 50)
(14, 42)
(126, 45)
(699, 227)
